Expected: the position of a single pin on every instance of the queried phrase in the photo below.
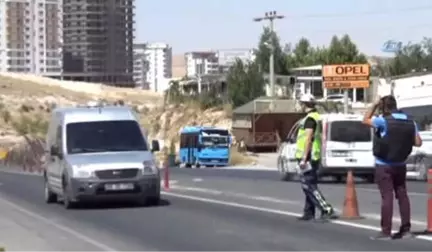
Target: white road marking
(377, 191)
(197, 180)
(171, 182)
(280, 212)
(234, 194)
(378, 217)
(64, 228)
(275, 200)
(254, 168)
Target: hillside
(26, 102)
(25, 98)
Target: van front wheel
(67, 203)
(50, 197)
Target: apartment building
(178, 66)
(140, 66)
(227, 57)
(201, 63)
(159, 62)
(98, 41)
(31, 36)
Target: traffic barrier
(166, 175)
(350, 210)
(429, 204)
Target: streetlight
(270, 16)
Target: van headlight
(149, 168)
(83, 174)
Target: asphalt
(267, 185)
(245, 173)
(187, 220)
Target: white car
(420, 159)
(346, 145)
(336, 98)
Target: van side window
(59, 137)
(183, 141)
(292, 135)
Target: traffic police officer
(308, 154)
(395, 135)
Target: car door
(53, 162)
(290, 148)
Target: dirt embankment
(26, 102)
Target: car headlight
(149, 168)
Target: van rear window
(350, 131)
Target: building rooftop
(315, 67)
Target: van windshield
(350, 131)
(103, 136)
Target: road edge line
(56, 225)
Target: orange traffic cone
(350, 210)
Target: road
(204, 210)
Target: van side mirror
(155, 146)
(55, 151)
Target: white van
(346, 145)
(99, 153)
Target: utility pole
(270, 16)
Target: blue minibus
(208, 146)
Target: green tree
(173, 94)
(412, 57)
(245, 82)
(343, 51)
(340, 51)
(263, 53)
(304, 54)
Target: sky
(194, 25)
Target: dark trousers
(314, 197)
(393, 179)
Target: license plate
(119, 186)
(214, 161)
(340, 154)
(351, 160)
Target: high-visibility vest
(301, 138)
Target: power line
(361, 13)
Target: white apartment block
(159, 66)
(140, 66)
(31, 36)
(201, 63)
(227, 57)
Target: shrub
(237, 158)
(30, 125)
(6, 115)
(172, 147)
